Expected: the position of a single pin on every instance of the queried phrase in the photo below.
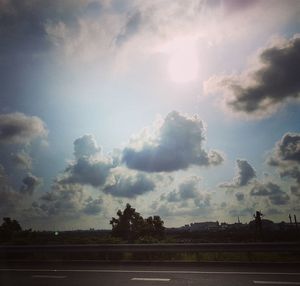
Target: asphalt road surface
(92, 273)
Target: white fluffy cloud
(177, 143)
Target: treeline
(130, 226)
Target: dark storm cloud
(129, 185)
(88, 171)
(274, 82)
(86, 146)
(274, 193)
(30, 183)
(18, 128)
(177, 145)
(245, 174)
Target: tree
(130, 225)
(9, 227)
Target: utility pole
(290, 217)
(296, 223)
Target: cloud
(272, 84)
(286, 150)
(63, 199)
(129, 184)
(90, 167)
(93, 206)
(248, 211)
(70, 201)
(245, 174)
(273, 211)
(18, 128)
(188, 189)
(177, 210)
(175, 145)
(185, 200)
(9, 198)
(274, 193)
(86, 146)
(295, 190)
(131, 28)
(292, 172)
(22, 160)
(286, 159)
(30, 183)
(240, 196)
(89, 171)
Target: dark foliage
(9, 228)
(131, 226)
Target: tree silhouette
(9, 227)
(130, 225)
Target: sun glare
(183, 65)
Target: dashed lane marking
(151, 279)
(48, 276)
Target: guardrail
(135, 252)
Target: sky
(184, 109)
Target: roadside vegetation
(130, 227)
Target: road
(93, 273)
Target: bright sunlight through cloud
(183, 64)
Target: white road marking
(277, 282)
(150, 271)
(151, 279)
(48, 276)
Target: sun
(183, 62)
